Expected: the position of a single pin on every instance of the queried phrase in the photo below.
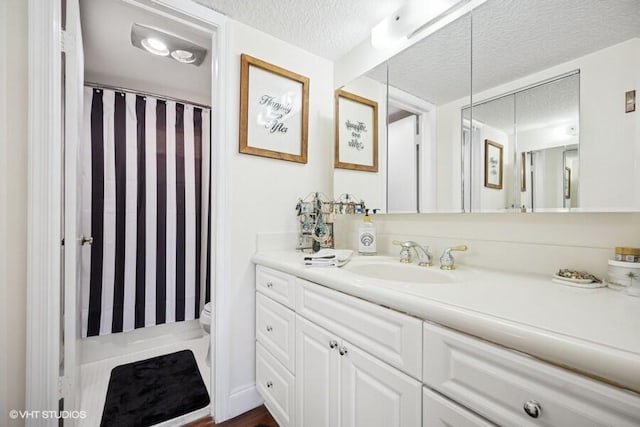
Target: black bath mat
(154, 390)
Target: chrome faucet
(447, 261)
(424, 256)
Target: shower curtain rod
(139, 92)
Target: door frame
(44, 213)
(426, 113)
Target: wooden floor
(258, 417)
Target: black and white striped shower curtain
(146, 202)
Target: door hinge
(67, 43)
(64, 387)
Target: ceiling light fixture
(155, 46)
(183, 56)
(162, 43)
(409, 18)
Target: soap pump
(367, 236)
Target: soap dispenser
(367, 236)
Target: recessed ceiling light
(183, 56)
(163, 43)
(155, 46)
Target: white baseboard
(243, 399)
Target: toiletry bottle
(367, 236)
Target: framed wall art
(274, 111)
(356, 145)
(567, 183)
(492, 164)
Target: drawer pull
(333, 344)
(532, 408)
(269, 384)
(269, 328)
(269, 285)
(343, 351)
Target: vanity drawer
(386, 334)
(276, 385)
(277, 285)
(276, 330)
(498, 384)
(438, 411)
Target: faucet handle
(447, 261)
(405, 253)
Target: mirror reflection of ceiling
(541, 106)
(511, 39)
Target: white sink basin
(396, 271)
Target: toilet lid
(207, 307)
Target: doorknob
(87, 240)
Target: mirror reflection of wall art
(567, 183)
(356, 133)
(630, 101)
(523, 171)
(492, 164)
(274, 111)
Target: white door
(375, 394)
(317, 376)
(73, 72)
(402, 166)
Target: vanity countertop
(592, 331)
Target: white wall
(13, 208)
(539, 243)
(264, 193)
(608, 154)
(368, 186)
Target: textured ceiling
(106, 29)
(551, 103)
(328, 28)
(511, 39)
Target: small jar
(626, 254)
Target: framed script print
(492, 164)
(356, 133)
(274, 111)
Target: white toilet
(205, 322)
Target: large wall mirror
(516, 106)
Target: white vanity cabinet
(512, 389)
(438, 411)
(338, 384)
(354, 363)
(327, 359)
(275, 343)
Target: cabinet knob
(343, 351)
(333, 344)
(269, 328)
(86, 240)
(269, 384)
(532, 408)
(269, 285)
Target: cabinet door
(438, 411)
(317, 376)
(376, 394)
